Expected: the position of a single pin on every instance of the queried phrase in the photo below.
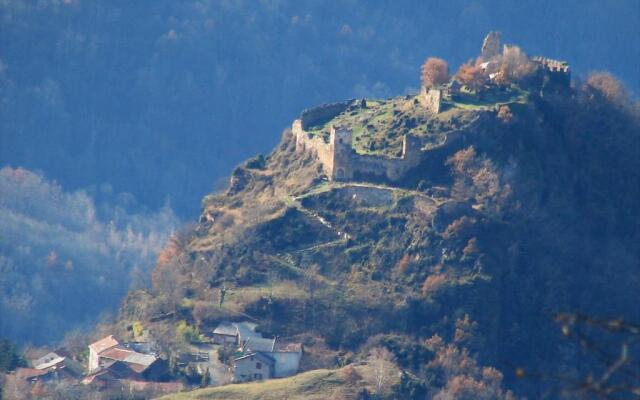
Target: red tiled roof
(284, 347)
(104, 344)
(26, 373)
(103, 374)
(138, 368)
(116, 353)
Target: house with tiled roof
(98, 347)
(61, 366)
(287, 356)
(225, 333)
(282, 358)
(236, 333)
(122, 362)
(254, 366)
(259, 344)
(32, 374)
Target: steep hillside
(524, 206)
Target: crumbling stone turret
(491, 45)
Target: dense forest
(66, 258)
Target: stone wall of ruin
(322, 114)
(431, 99)
(341, 162)
(390, 168)
(316, 146)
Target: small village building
(287, 357)
(122, 362)
(33, 375)
(246, 330)
(225, 334)
(263, 358)
(98, 347)
(236, 333)
(253, 367)
(259, 344)
(108, 379)
(136, 361)
(61, 367)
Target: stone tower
(491, 45)
(340, 146)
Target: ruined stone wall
(322, 114)
(390, 168)
(431, 99)
(341, 162)
(315, 145)
(348, 164)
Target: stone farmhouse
(226, 333)
(52, 367)
(58, 366)
(235, 333)
(108, 357)
(267, 358)
(260, 358)
(338, 158)
(253, 367)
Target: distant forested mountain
(68, 257)
(161, 99)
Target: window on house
(258, 365)
(257, 376)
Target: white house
(282, 359)
(287, 358)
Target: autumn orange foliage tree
(515, 66)
(470, 75)
(464, 378)
(607, 86)
(476, 177)
(435, 71)
(504, 114)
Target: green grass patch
(316, 384)
(471, 101)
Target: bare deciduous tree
(613, 346)
(383, 371)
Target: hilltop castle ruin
(550, 75)
(338, 158)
